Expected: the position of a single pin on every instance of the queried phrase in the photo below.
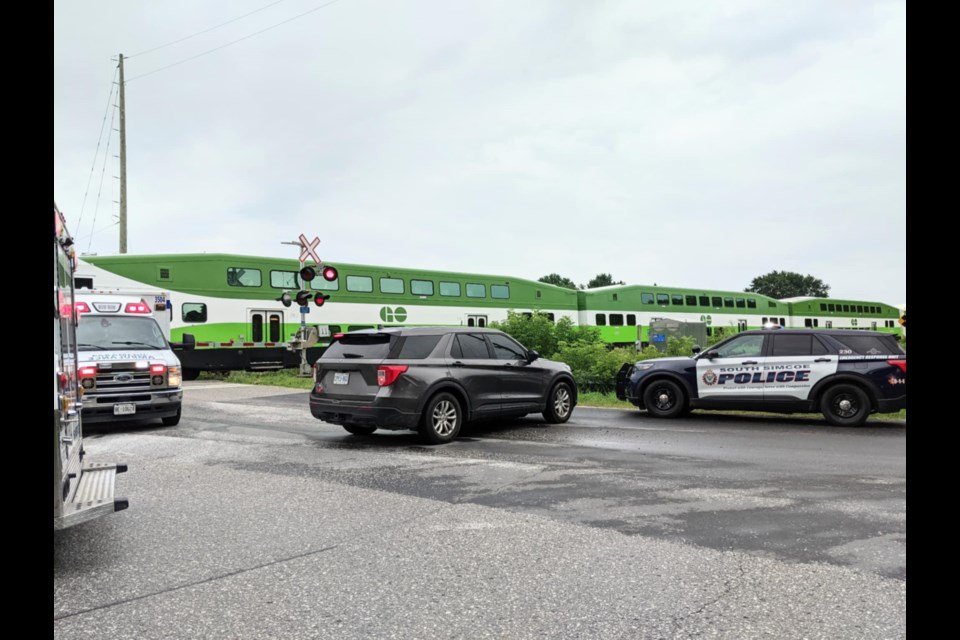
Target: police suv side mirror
(710, 355)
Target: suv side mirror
(532, 355)
(710, 355)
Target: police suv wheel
(664, 399)
(441, 420)
(845, 405)
(559, 404)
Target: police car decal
(791, 376)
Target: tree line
(776, 284)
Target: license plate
(341, 378)
(124, 409)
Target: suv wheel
(442, 418)
(359, 430)
(845, 405)
(664, 399)
(559, 404)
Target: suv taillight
(387, 374)
(900, 364)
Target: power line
(103, 170)
(97, 152)
(206, 30)
(233, 42)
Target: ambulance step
(94, 495)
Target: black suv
(433, 379)
(846, 375)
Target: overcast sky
(696, 144)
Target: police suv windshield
(99, 333)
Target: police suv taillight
(387, 374)
(900, 364)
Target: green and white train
(230, 305)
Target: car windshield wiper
(92, 346)
(144, 344)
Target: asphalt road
(251, 519)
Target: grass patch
(289, 378)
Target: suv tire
(359, 429)
(664, 399)
(559, 404)
(442, 419)
(845, 405)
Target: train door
(476, 321)
(265, 326)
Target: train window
(676, 298)
(846, 308)
(616, 319)
(284, 280)
(663, 299)
(823, 306)
(716, 301)
(83, 283)
(256, 324)
(391, 285)
(831, 307)
(704, 301)
(859, 308)
(631, 320)
(274, 327)
(691, 301)
(360, 284)
(527, 314)
(741, 303)
(751, 303)
(816, 322)
(728, 302)
(828, 324)
(322, 284)
(476, 290)
(550, 317)
(783, 322)
(539, 293)
(194, 312)
(771, 303)
(807, 322)
(500, 291)
(242, 277)
(449, 288)
(163, 273)
(614, 297)
(646, 298)
(601, 320)
(421, 287)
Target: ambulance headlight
(643, 366)
(174, 377)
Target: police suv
(126, 367)
(846, 375)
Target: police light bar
(772, 325)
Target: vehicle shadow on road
(782, 421)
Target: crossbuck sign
(309, 249)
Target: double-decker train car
(233, 306)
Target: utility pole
(123, 166)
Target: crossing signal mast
(303, 297)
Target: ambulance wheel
(664, 399)
(845, 405)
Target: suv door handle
(749, 362)
(822, 360)
(457, 363)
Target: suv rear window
(417, 347)
(373, 346)
(870, 345)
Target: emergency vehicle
(127, 368)
(82, 490)
(846, 375)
